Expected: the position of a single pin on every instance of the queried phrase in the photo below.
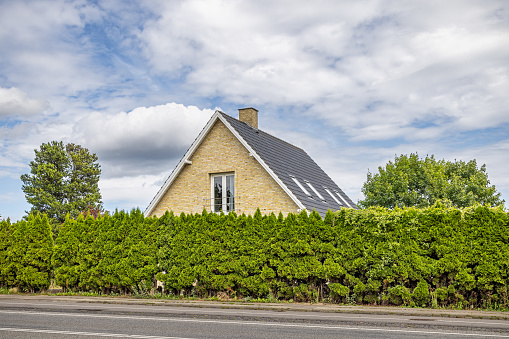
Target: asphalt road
(53, 317)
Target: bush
(400, 295)
(442, 295)
(445, 256)
(421, 294)
(338, 292)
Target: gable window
(223, 192)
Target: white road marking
(275, 324)
(95, 334)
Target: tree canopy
(63, 179)
(411, 181)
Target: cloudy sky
(353, 83)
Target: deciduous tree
(411, 181)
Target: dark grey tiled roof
(286, 160)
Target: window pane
(300, 185)
(314, 190)
(218, 194)
(342, 199)
(333, 197)
(230, 193)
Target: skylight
(343, 200)
(314, 190)
(333, 197)
(300, 185)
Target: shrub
(421, 294)
(400, 295)
(338, 292)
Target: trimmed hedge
(26, 248)
(437, 256)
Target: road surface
(53, 317)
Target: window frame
(315, 191)
(346, 204)
(226, 206)
(339, 202)
(306, 192)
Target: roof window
(314, 190)
(300, 185)
(334, 197)
(345, 203)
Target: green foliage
(442, 295)
(421, 293)
(411, 181)
(375, 255)
(400, 295)
(6, 240)
(63, 179)
(73, 258)
(338, 292)
(109, 254)
(125, 247)
(435, 256)
(25, 254)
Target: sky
(353, 83)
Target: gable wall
(221, 152)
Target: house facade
(233, 166)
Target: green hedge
(108, 254)
(437, 256)
(26, 248)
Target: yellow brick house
(234, 166)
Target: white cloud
(14, 102)
(354, 65)
(9, 162)
(38, 45)
(143, 140)
(249, 51)
(130, 192)
(74, 54)
(361, 80)
(137, 150)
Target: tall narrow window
(218, 194)
(230, 193)
(223, 193)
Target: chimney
(249, 116)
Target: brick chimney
(249, 116)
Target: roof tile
(287, 160)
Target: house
(234, 166)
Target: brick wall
(221, 152)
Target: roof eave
(195, 145)
(184, 161)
